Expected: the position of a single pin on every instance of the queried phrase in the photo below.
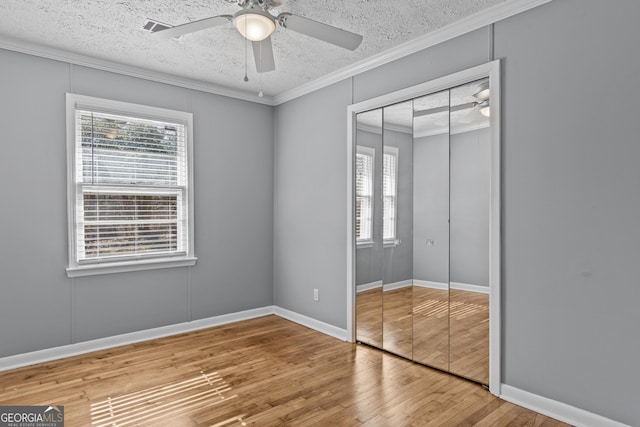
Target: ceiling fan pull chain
(246, 42)
(260, 94)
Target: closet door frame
(492, 71)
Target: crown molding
(127, 70)
(470, 23)
(478, 20)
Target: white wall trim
(127, 70)
(396, 285)
(558, 410)
(312, 323)
(55, 353)
(46, 355)
(429, 284)
(478, 20)
(369, 286)
(491, 70)
(468, 287)
(470, 23)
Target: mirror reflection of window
(389, 194)
(365, 157)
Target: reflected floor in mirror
(369, 317)
(261, 372)
(431, 326)
(469, 334)
(397, 321)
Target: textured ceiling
(400, 117)
(112, 30)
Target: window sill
(391, 243)
(364, 245)
(125, 266)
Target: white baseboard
(55, 353)
(429, 284)
(558, 410)
(312, 323)
(369, 286)
(471, 288)
(397, 285)
(49, 354)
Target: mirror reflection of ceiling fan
(482, 95)
(256, 24)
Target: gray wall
(571, 203)
(310, 227)
(398, 261)
(431, 208)
(469, 207)
(369, 258)
(391, 264)
(40, 307)
(570, 195)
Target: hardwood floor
(469, 334)
(445, 329)
(261, 372)
(397, 321)
(369, 317)
(431, 327)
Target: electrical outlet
(316, 297)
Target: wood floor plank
(261, 372)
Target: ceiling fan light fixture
(254, 24)
(485, 109)
(483, 92)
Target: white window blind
(130, 187)
(389, 193)
(364, 194)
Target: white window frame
(135, 262)
(391, 240)
(370, 152)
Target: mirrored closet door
(368, 227)
(431, 229)
(397, 265)
(422, 214)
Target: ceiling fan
(256, 24)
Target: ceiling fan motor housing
(254, 22)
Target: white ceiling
(111, 30)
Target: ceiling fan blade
(451, 109)
(191, 27)
(320, 31)
(263, 54)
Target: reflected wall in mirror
(431, 230)
(368, 227)
(470, 165)
(397, 202)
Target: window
(129, 187)
(364, 195)
(389, 194)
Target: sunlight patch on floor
(456, 309)
(158, 405)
